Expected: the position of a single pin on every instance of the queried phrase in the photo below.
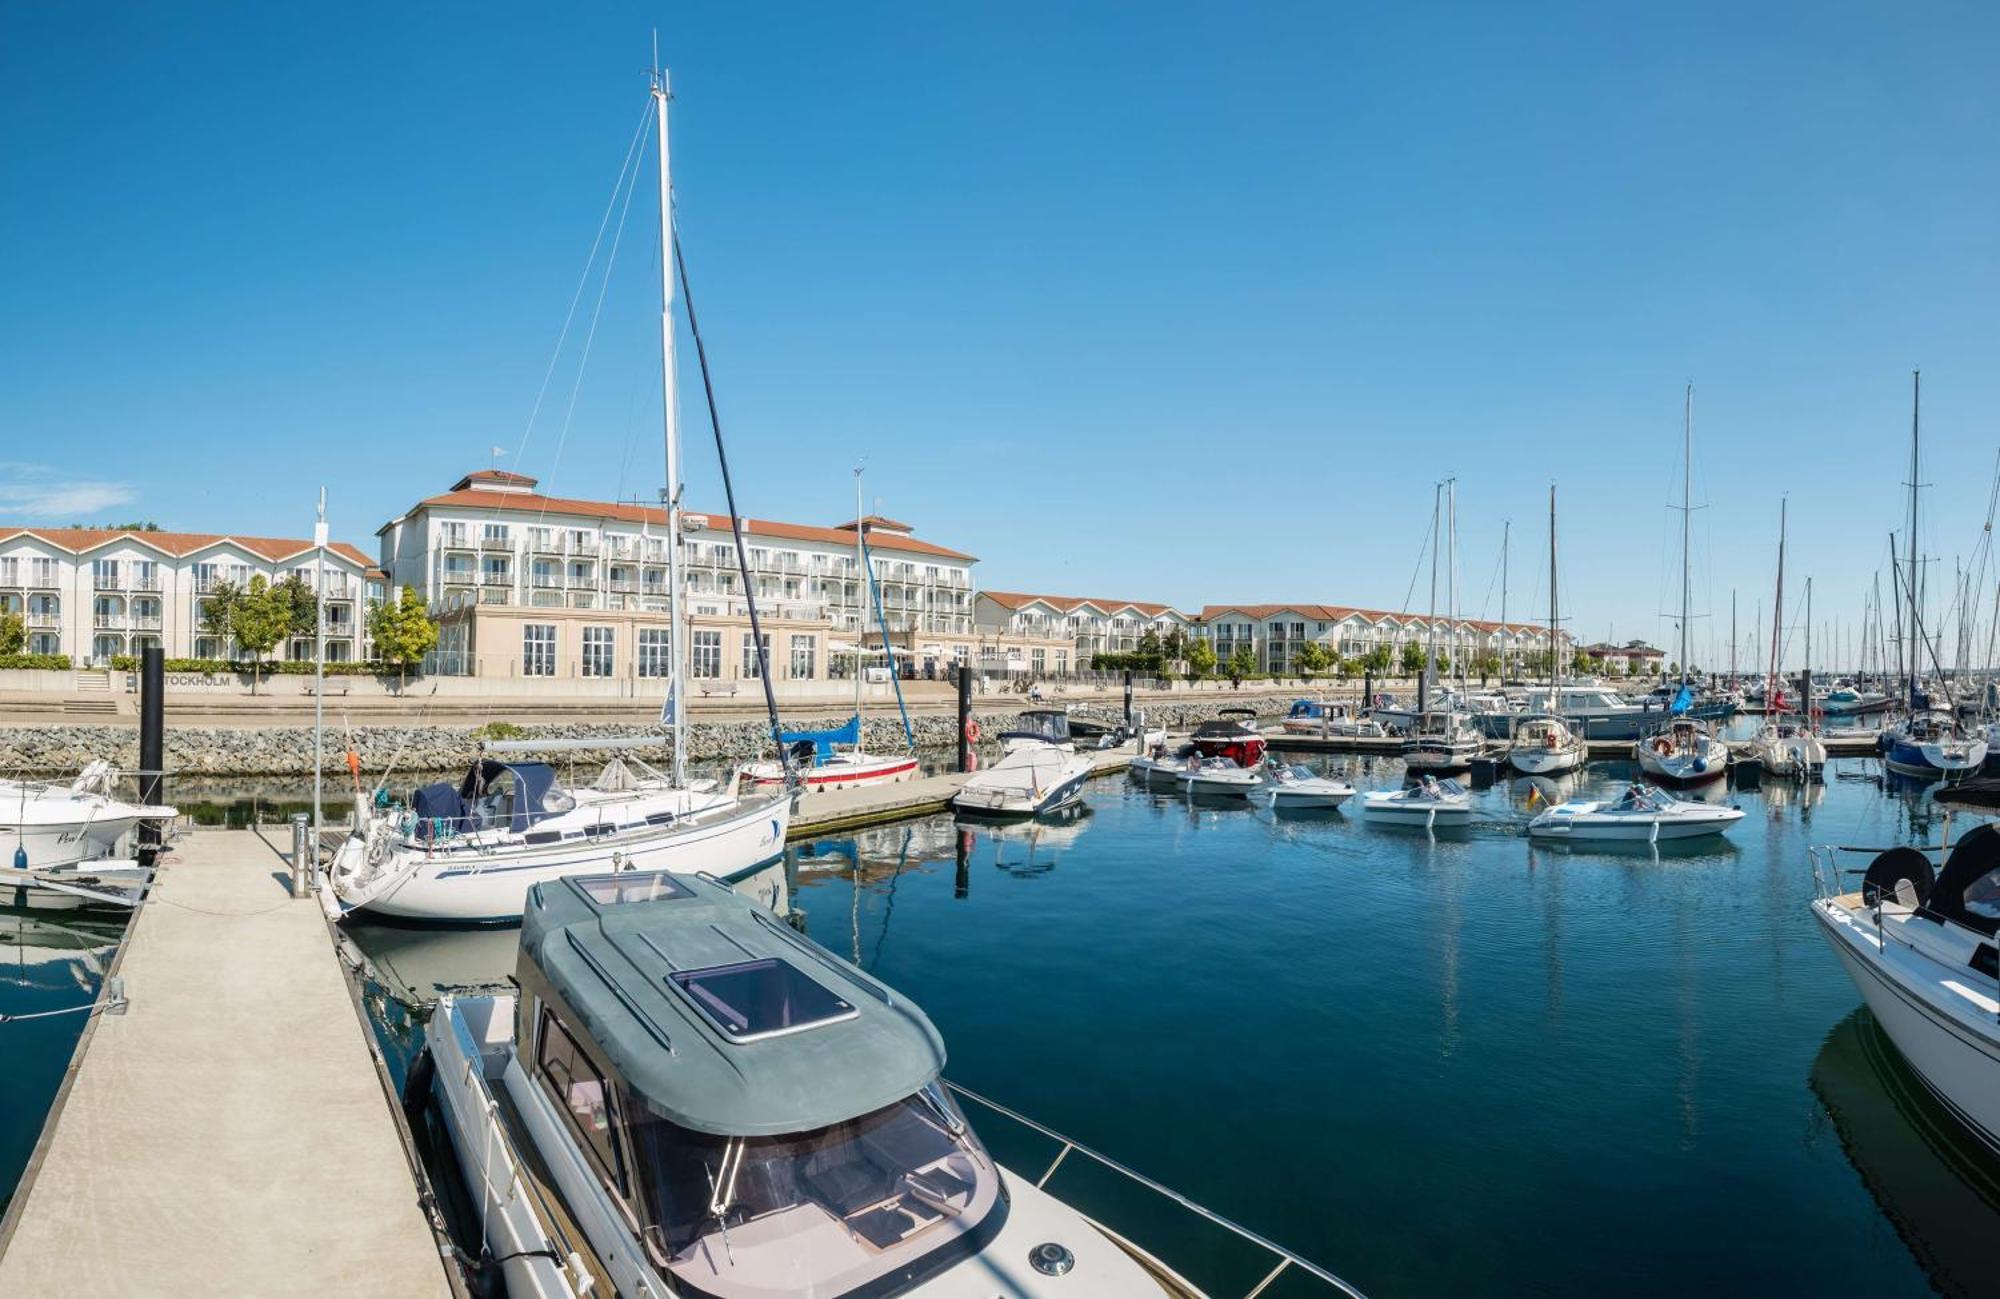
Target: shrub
(43, 662)
(228, 667)
(499, 731)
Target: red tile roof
(1070, 603)
(568, 508)
(494, 476)
(182, 544)
(875, 521)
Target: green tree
(1312, 657)
(13, 632)
(1150, 644)
(1486, 665)
(1176, 644)
(1242, 663)
(259, 621)
(218, 611)
(301, 605)
(1413, 658)
(403, 631)
(1200, 659)
(1378, 659)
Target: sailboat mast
(1777, 609)
(1431, 619)
(677, 634)
(861, 622)
(1916, 404)
(1732, 638)
(1687, 505)
(1555, 646)
(1506, 532)
(1457, 632)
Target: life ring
(1662, 745)
(971, 731)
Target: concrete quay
(228, 1133)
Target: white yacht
(1442, 742)
(1639, 815)
(1787, 748)
(1324, 719)
(1298, 788)
(1544, 746)
(46, 826)
(1920, 945)
(1683, 753)
(1430, 803)
(469, 852)
(688, 1097)
(1932, 742)
(1039, 769)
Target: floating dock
(227, 1133)
(1839, 744)
(833, 810)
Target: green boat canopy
(718, 1016)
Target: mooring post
(152, 741)
(964, 718)
(302, 834)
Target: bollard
(301, 854)
(1128, 699)
(152, 741)
(964, 719)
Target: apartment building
(1275, 632)
(529, 585)
(1635, 657)
(1050, 633)
(94, 593)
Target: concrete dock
(227, 1134)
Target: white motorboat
(45, 825)
(1544, 746)
(1298, 788)
(1218, 777)
(1326, 720)
(687, 1097)
(1429, 802)
(1442, 742)
(1157, 766)
(469, 852)
(1639, 815)
(1920, 945)
(1684, 753)
(1039, 770)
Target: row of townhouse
(95, 593)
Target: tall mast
(1916, 403)
(1778, 608)
(1687, 505)
(677, 638)
(1555, 656)
(1506, 532)
(1805, 678)
(1732, 638)
(1431, 620)
(1451, 559)
(861, 589)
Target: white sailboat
(1684, 751)
(836, 759)
(470, 852)
(1785, 745)
(1546, 746)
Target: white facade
(1274, 633)
(1082, 627)
(93, 594)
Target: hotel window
(707, 647)
(752, 666)
(453, 534)
(541, 538)
(802, 658)
(45, 572)
(105, 571)
(1062, 663)
(494, 565)
(146, 575)
(654, 660)
(10, 571)
(1038, 659)
(599, 651)
(538, 649)
(493, 532)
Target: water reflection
(1935, 1183)
(49, 950)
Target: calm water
(1430, 1064)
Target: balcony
(496, 579)
(45, 618)
(108, 621)
(145, 622)
(624, 585)
(584, 546)
(106, 582)
(143, 582)
(455, 541)
(546, 581)
(497, 595)
(500, 545)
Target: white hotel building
(527, 585)
(1275, 632)
(94, 593)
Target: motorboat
(1442, 742)
(1544, 746)
(1594, 712)
(1158, 766)
(45, 825)
(1229, 737)
(1317, 717)
(1641, 814)
(1683, 753)
(1218, 777)
(686, 1096)
(1787, 748)
(468, 852)
(1932, 742)
(1294, 787)
(1920, 945)
(831, 759)
(1850, 701)
(1428, 802)
(1039, 769)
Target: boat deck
(228, 1134)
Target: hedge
(278, 667)
(44, 662)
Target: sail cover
(849, 733)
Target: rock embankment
(288, 750)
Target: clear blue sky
(1189, 303)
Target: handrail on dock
(1286, 1258)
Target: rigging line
(735, 517)
(590, 335)
(1430, 536)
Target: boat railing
(1284, 1260)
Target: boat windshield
(841, 1203)
(1638, 798)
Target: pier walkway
(227, 1134)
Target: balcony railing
(585, 547)
(44, 619)
(624, 585)
(106, 582)
(459, 577)
(505, 545)
(145, 622)
(115, 621)
(496, 579)
(143, 582)
(456, 541)
(546, 581)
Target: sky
(1187, 303)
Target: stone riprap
(287, 750)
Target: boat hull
(1545, 762)
(1587, 829)
(1908, 758)
(1015, 803)
(1957, 1059)
(767, 778)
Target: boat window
(1982, 896)
(885, 1178)
(583, 1094)
(633, 886)
(748, 1000)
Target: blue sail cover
(1684, 700)
(823, 741)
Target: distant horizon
(1184, 310)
